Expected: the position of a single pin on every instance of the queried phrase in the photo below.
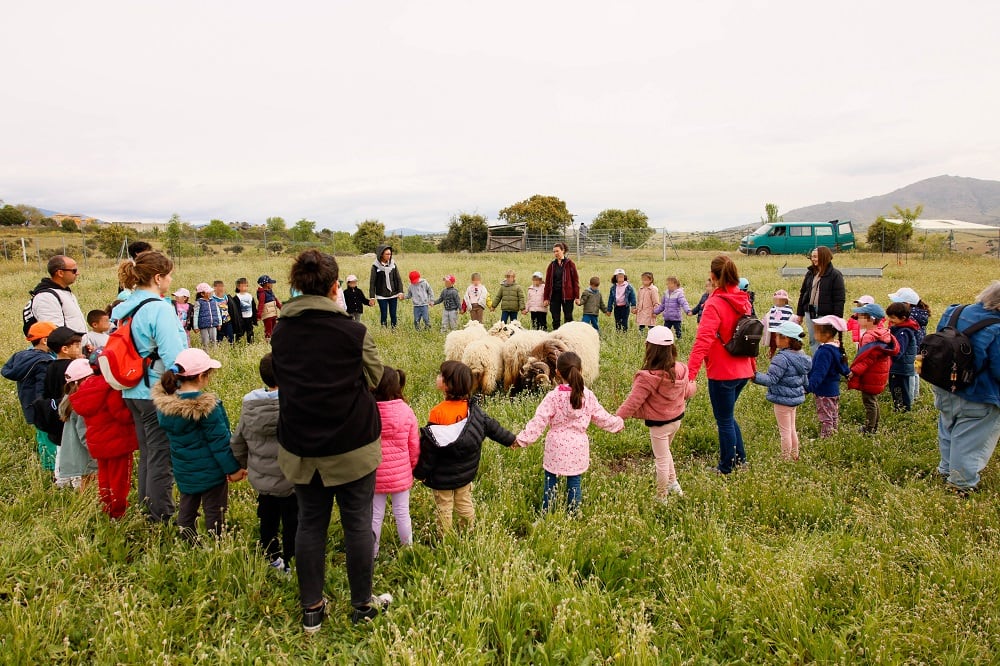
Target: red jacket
(110, 428)
(400, 447)
(855, 328)
(870, 370)
(719, 316)
(570, 281)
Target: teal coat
(198, 429)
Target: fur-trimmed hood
(188, 405)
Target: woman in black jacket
(822, 291)
(385, 285)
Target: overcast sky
(408, 112)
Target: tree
(630, 226)
(907, 215)
(111, 239)
(541, 214)
(217, 230)
(771, 210)
(342, 243)
(275, 225)
(303, 231)
(175, 229)
(32, 216)
(888, 236)
(465, 232)
(69, 225)
(10, 216)
(370, 234)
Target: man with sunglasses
(52, 300)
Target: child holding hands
(786, 381)
(828, 366)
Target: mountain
(943, 198)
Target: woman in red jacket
(727, 374)
(562, 286)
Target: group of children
(216, 316)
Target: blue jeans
(592, 320)
(621, 317)
(573, 493)
(723, 394)
(387, 306)
(967, 435)
(675, 326)
(422, 313)
(507, 315)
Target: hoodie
(255, 443)
(449, 454)
(906, 335)
(828, 366)
(420, 293)
(656, 397)
(27, 368)
(719, 316)
(384, 281)
(870, 369)
(786, 378)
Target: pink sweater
(655, 397)
(649, 298)
(567, 447)
(400, 447)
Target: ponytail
(172, 379)
(725, 271)
(840, 340)
(570, 368)
(139, 272)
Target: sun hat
(192, 361)
(449, 278)
(619, 271)
(864, 300)
(78, 369)
(832, 320)
(660, 335)
(265, 279)
(39, 330)
(873, 310)
(203, 288)
(352, 278)
(62, 336)
(904, 295)
(182, 292)
(781, 293)
(538, 274)
(414, 277)
(744, 284)
(788, 329)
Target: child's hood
(21, 363)
(908, 323)
(190, 405)
(653, 378)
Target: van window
(844, 228)
(777, 231)
(800, 231)
(824, 230)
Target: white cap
(352, 278)
(182, 292)
(203, 288)
(660, 335)
(864, 300)
(538, 274)
(904, 295)
(619, 271)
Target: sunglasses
(70, 270)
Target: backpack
(946, 358)
(747, 333)
(120, 362)
(29, 317)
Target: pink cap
(192, 362)
(781, 293)
(203, 288)
(78, 369)
(660, 335)
(832, 320)
(863, 300)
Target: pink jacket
(535, 299)
(648, 298)
(400, 447)
(655, 397)
(567, 447)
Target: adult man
(52, 299)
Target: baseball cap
(78, 369)
(904, 295)
(352, 278)
(781, 293)
(182, 292)
(744, 284)
(863, 300)
(265, 279)
(449, 278)
(873, 310)
(788, 329)
(62, 336)
(619, 271)
(203, 287)
(660, 335)
(832, 320)
(39, 330)
(193, 362)
(538, 274)
(414, 277)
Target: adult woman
(727, 374)
(822, 292)
(969, 419)
(562, 286)
(329, 429)
(385, 285)
(158, 334)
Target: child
(744, 285)
(786, 381)
(475, 298)
(646, 302)
(901, 372)
(66, 344)
(852, 323)
(700, 308)
(28, 368)
(198, 429)
(535, 303)
(255, 447)
(267, 304)
(779, 312)
(205, 315)
(111, 438)
(400, 451)
(354, 298)
(673, 306)
(451, 445)
(510, 298)
(221, 300)
(659, 393)
(870, 369)
(621, 299)
(246, 309)
(566, 411)
(920, 312)
(74, 464)
(829, 364)
(452, 302)
(422, 295)
(183, 308)
(592, 303)
(97, 336)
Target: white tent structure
(950, 226)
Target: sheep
(484, 356)
(538, 370)
(516, 350)
(585, 341)
(456, 341)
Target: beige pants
(660, 437)
(458, 500)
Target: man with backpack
(969, 408)
(52, 300)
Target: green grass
(855, 554)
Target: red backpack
(120, 362)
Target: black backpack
(946, 357)
(28, 316)
(746, 335)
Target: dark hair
(824, 257)
(142, 269)
(615, 281)
(826, 328)
(570, 368)
(240, 281)
(391, 386)
(135, 248)
(171, 381)
(660, 357)
(217, 283)
(649, 275)
(725, 272)
(56, 263)
(266, 370)
(898, 310)
(595, 281)
(794, 344)
(94, 316)
(921, 304)
(314, 273)
(560, 244)
(457, 378)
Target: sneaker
(375, 607)
(312, 618)
(278, 563)
(675, 489)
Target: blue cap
(265, 279)
(873, 310)
(788, 329)
(744, 284)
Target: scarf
(814, 293)
(386, 271)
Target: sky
(410, 112)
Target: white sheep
(516, 350)
(538, 369)
(456, 341)
(484, 356)
(584, 340)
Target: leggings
(400, 511)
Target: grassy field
(855, 554)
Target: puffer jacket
(255, 443)
(655, 397)
(828, 366)
(110, 428)
(922, 316)
(831, 297)
(673, 306)
(27, 368)
(719, 316)
(786, 378)
(205, 314)
(198, 429)
(646, 300)
(870, 369)
(906, 336)
(510, 297)
(629, 296)
(400, 447)
(449, 455)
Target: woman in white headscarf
(386, 286)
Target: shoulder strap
(138, 307)
(953, 321)
(980, 325)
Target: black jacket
(832, 295)
(377, 286)
(355, 300)
(456, 464)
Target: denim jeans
(675, 326)
(507, 315)
(387, 311)
(421, 313)
(621, 317)
(723, 394)
(592, 320)
(967, 435)
(574, 496)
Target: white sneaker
(675, 489)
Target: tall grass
(855, 554)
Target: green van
(798, 237)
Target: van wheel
(763, 251)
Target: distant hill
(943, 197)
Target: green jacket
(591, 301)
(510, 297)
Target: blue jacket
(986, 348)
(155, 327)
(906, 334)
(786, 378)
(205, 314)
(28, 368)
(629, 296)
(828, 365)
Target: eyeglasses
(70, 270)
